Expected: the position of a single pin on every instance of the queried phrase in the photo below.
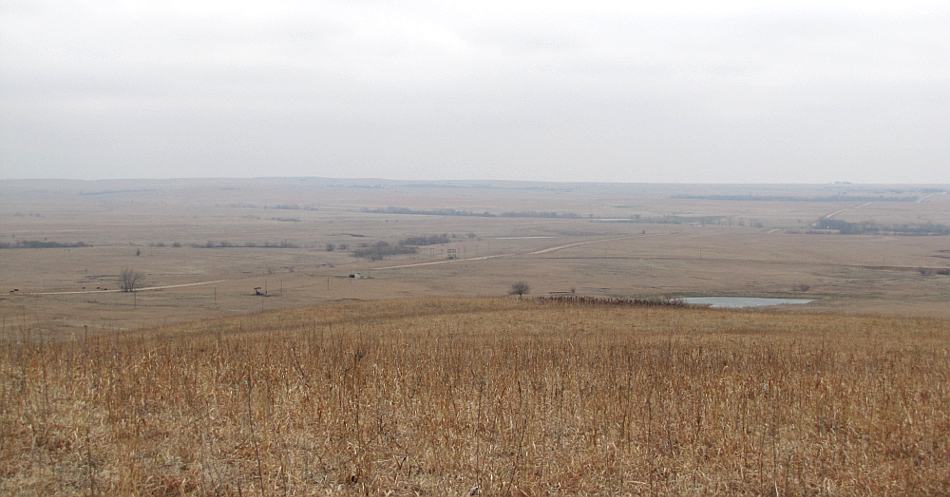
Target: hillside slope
(486, 396)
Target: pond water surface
(742, 302)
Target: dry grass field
(411, 379)
(482, 397)
(626, 240)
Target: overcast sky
(663, 91)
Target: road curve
(143, 289)
(839, 211)
(498, 256)
(397, 266)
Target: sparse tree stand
(130, 280)
(519, 288)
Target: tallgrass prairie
(482, 396)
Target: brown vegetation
(130, 279)
(519, 288)
(221, 231)
(495, 397)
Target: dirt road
(396, 266)
(143, 289)
(832, 214)
(510, 254)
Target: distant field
(209, 243)
(482, 397)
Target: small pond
(742, 302)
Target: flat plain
(354, 337)
(213, 241)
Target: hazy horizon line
(468, 180)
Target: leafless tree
(129, 279)
(519, 288)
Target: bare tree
(130, 279)
(519, 288)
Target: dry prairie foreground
(483, 396)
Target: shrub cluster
(41, 244)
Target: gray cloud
(680, 91)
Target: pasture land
(482, 397)
(209, 243)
